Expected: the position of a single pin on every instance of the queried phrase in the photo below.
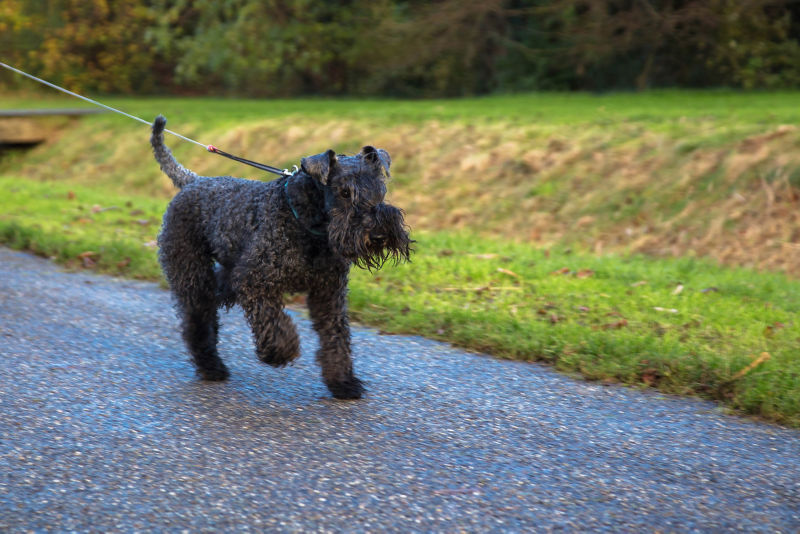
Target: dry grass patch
(680, 189)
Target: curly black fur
(228, 241)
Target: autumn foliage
(405, 48)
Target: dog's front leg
(327, 305)
(274, 333)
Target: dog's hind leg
(200, 327)
(191, 277)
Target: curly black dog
(228, 241)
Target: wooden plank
(71, 112)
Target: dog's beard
(372, 246)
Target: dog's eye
(345, 193)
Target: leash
(209, 148)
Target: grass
(651, 108)
(499, 191)
(82, 227)
(684, 326)
(667, 173)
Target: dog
(229, 241)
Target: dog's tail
(179, 175)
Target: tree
(95, 45)
(644, 43)
(275, 47)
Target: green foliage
(401, 47)
(755, 48)
(268, 48)
(86, 45)
(616, 44)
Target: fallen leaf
(484, 256)
(650, 376)
(563, 270)
(445, 252)
(70, 195)
(554, 318)
(583, 309)
(124, 263)
(639, 283)
(87, 259)
(668, 310)
(678, 289)
(506, 271)
(616, 325)
(150, 244)
(769, 330)
(584, 273)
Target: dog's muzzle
(377, 238)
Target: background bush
(401, 47)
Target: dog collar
(294, 211)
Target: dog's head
(361, 227)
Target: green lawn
(654, 107)
(684, 326)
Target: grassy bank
(499, 191)
(669, 174)
(682, 325)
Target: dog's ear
(319, 166)
(377, 156)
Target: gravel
(104, 428)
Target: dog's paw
(214, 374)
(277, 358)
(351, 388)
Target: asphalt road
(104, 428)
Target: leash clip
(286, 172)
